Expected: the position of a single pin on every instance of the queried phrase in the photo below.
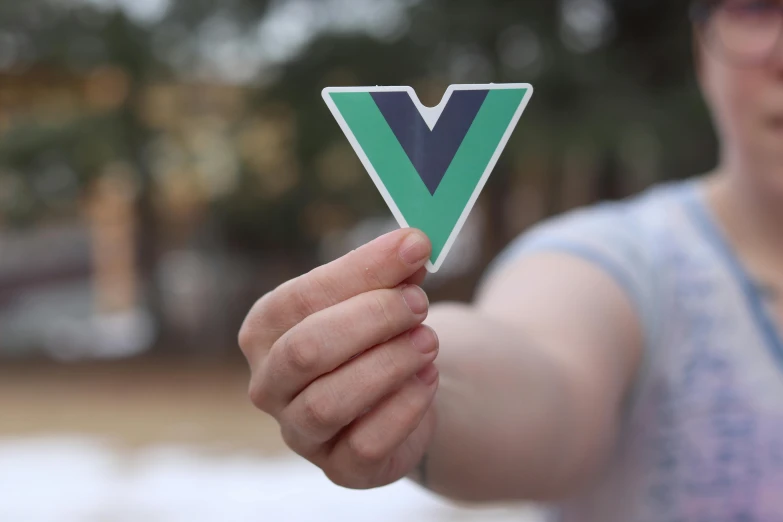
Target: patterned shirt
(702, 437)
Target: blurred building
(71, 288)
(70, 281)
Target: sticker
(429, 164)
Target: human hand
(340, 358)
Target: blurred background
(164, 163)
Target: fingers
(328, 339)
(337, 399)
(383, 263)
(368, 452)
(417, 278)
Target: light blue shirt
(702, 439)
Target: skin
(517, 395)
(746, 190)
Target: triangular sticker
(429, 164)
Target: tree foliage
(604, 71)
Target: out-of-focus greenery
(613, 78)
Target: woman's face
(741, 71)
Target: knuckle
(245, 338)
(366, 452)
(318, 412)
(259, 394)
(293, 439)
(312, 292)
(302, 299)
(289, 436)
(248, 332)
(340, 476)
(302, 353)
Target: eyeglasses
(745, 32)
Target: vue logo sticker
(430, 164)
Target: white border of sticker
(430, 116)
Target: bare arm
(532, 375)
(532, 380)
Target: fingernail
(424, 339)
(416, 299)
(428, 375)
(414, 249)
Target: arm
(532, 380)
(533, 373)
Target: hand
(340, 358)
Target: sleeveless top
(702, 436)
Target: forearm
(508, 424)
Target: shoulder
(625, 228)
(627, 221)
(620, 239)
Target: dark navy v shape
(430, 151)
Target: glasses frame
(701, 13)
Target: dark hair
(700, 10)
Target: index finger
(385, 262)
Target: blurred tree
(66, 40)
(612, 77)
(600, 67)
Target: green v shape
(440, 215)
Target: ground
(164, 440)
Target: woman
(623, 362)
